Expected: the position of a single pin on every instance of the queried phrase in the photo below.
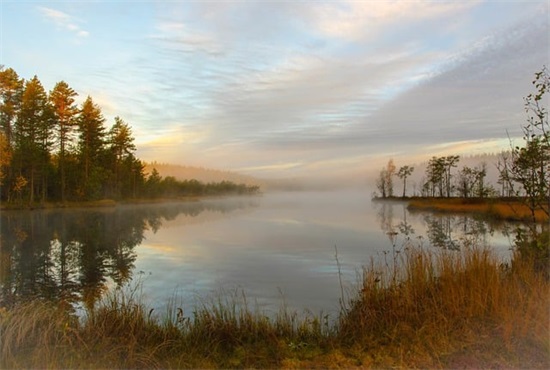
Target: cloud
(64, 21)
(178, 37)
(477, 96)
(294, 89)
(261, 94)
(354, 20)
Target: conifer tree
(403, 173)
(11, 89)
(91, 144)
(62, 98)
(122, 148)
(32, 137)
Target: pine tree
(32, 137)
(62, 98)
(11, 89)
(403, 173)
(91, 144)
(121, 148)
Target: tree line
(524, 171)
(440, 180)
(53, 149)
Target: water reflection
(71, 255)
(445, 231)
(279, 248)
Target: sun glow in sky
(284, 88)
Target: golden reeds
(432, 308)
(499, 209)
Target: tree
(449, 162)
(5, 155)
(91, 143)
(62, 98)
(32, 137)
(153, 184)
(384, 183)
(121, 147)
(504, 180)
(466, 181)
(381, 184)
(481, 190)
(435, 175)
(390, 172)
(11, 89)
(403, 173)
(134, 176)
(471, 182)
(529, 166)
(439, 175)
(121, 139)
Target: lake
(278, 248)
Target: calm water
(277, 248)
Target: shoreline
(403, 318)
(507, 209)
(109, 203)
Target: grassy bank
(505, 209)
(432, 308)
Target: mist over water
(277, 248)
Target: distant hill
(201, 174)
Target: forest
(55, 150)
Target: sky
(279, 89)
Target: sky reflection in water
(278, 249)
(282, 248)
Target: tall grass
(432, 308)
(436, 305)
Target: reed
(440, 307)
(431, 308)
(503, 209)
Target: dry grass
(439, 308)
(433, 308)
(36, 329)
(511, 210)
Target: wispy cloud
(63, 21)
(179, 37)
(340, 83)
(356, 20)
(281, 87)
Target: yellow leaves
(5, 154)
(20, 183)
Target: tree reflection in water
(69, 256)
(446, 231)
